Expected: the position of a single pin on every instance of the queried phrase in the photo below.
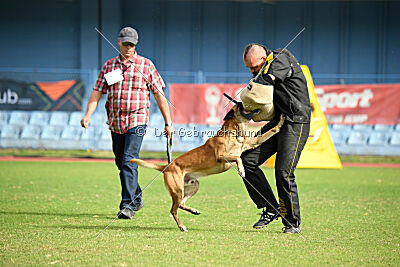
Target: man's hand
(169, 131)
(85, 121)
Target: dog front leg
(258, 140)
(237, 159)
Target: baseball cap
(128, 34)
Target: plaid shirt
(128, 101)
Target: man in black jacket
(280, 69)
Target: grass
(50, 213)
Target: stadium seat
(362, 127)
(378, 138)
(71, 132)
(105, 141)
(99, 118)
(3, 117)
(59, 118)
(39, 118)
(397, 128)
(30, 137)
(338, 137)
(9, 136)
(10, 131)
(383, 127)
(358, 138)
(341, 127)
(395, 138)
(50, 133)
(19, 118)
(30, 132)
(75, 118)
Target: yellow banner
(319, 151)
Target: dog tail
(148, 164)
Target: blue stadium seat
(98, 119)
(9, 136)
(51, 133)
(19, 118)
(39, 118)
(10, 131)
(105, 141)
(30, 137)
(59, 118)
(397, 127)
(358, 138)
(3, 117)
(395, 138)
(378, 138)
(71, 132)
(338, 137)
(341, 127)
(75, 118)
(31, 132)
(383, 127)
(362, 127)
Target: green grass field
(50, 213)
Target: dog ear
(229, 115)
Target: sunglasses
(128, 43)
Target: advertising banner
(201, 103)
(45, 96)
(360, 104)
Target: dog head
(239, 112)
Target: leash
(169, 149)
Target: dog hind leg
(175, 188)
(191, 188)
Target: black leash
(169, 149)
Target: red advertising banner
(343, 104)
(201, 103)
(360, 104)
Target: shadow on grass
(112, 227)
(91, 215)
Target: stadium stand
(59, 118)
(50, 137)
(383, 128)
(19, 118)
(62, 130)
(9, 136)
(30, 137)
(395, 139)
(3, 117)
(378, 138)
(39, 118)
(75, 118)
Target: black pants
(288, 144)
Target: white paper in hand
(114, 76)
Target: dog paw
(241, 171)
(183, 228)
(195, 212)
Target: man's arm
(164, 108)
(91, 107)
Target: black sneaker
(126, 213)
(266, 218)
(139, 207)
(291, 230)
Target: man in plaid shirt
(127, 106)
